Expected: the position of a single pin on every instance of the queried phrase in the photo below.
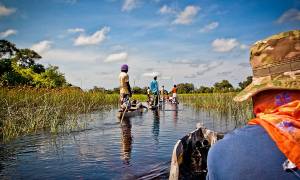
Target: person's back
(269, 146)
(125, 89)
(154, 86)
(124, 79)
(174, 90)
(154, 90)
(247, 153)
(174, 94)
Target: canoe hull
(130, 113)
(190, 154)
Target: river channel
(138, 148)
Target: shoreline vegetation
(27, 110)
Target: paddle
(125, 110)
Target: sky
(181, 41)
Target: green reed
(27, 110)
(221, 103)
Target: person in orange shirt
(269, 146)
(174, 94)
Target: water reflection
(107, 149)
(126, 141)
(155, 126)
(174, 108)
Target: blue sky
(197, 41)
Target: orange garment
(283, 126)
(174, 90)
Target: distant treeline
(185, 88)
(20, 67)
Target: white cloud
(151, 74)
(123, 56)
(41, 47)
(244, 46)
(4, 11)
(8, 32)
(289, 15)
(209, 27)
(166, 10)
(129, 5)
(224, 45)
(75, 30)
(96, 38)
(187, 15)
(59, 56)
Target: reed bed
(221, 103)
(140, 97)
(27, 110)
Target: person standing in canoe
(154, 89)
(125, 89)
(148, 94)
(162, 93)
(174, 94)
(269, 146)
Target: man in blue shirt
(154, 89)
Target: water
(139, 148)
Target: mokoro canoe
(153, 107)
(131, 112)
(190, 154)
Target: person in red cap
(125, 89)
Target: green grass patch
(28, 110)
(220, 103)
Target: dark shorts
(247, 153)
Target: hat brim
(266, 83)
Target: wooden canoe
(190, 154)
(131, 112)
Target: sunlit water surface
(139, 148)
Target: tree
(26, 57)
(12, 78)
(5, 66)
(7, 49)
(51, 78)
(223, 86)
(204, 89)
(19, 67)
(98, 89)
(185, 88)
(38, 68)
(137, 90)
(116, 90)
(245, 83)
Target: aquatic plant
(25, 110)
(221, 103)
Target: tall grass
(220, 103)
(27, 110)
(140, 97)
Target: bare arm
(129, 88)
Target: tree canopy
(19, 67)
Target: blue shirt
(247, 153)
(154, 87)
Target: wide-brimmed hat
(275, 62)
